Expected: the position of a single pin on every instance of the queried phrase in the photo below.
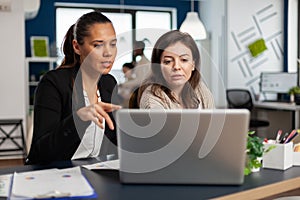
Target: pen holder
(281, 157)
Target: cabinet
(35, 68)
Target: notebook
(182, 146)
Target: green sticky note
(257, 47)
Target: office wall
(232, 26)
(12, 66)
(260, 20)
(46, 15)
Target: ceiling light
(193, 25)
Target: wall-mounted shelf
(35, 67)
(33, 83)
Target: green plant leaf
(294, 90)
(255, 149)
(256, 164)
(247, 171)
(251, 133)
(269, 149)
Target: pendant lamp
(193, 25)
(31, 8)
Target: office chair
(241, 98)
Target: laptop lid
(182, 146)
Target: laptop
(186, 146)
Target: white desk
(281, 106)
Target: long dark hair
(79, 31)
(156, 78)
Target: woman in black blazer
(73, 102)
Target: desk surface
(290, 107)
(107, 185)
(277, 105)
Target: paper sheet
(5, 181)
(47, 183)
(110, 165)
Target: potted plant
(294, 93)
(255, 151)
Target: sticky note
(257, 47)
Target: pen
(283, 138)
(278, 136)
(293, 136)
(289, 136)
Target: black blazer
(55, 135)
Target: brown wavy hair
(156, 79)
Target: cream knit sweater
(149, 101)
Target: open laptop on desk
(182, 146)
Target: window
(131, 23)
(64, 19)
(146, 20)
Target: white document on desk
(5, 181)
(67, 182)
(106, 165)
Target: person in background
(142, 66)
(175, 81)
(127, 69)
(140, 71)
(125, 92)
(138, 54)
(73, 103)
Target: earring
(193, 64)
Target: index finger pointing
(106, 117)
(108, 107)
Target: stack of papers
(52, 183)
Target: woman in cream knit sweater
(175, 81)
